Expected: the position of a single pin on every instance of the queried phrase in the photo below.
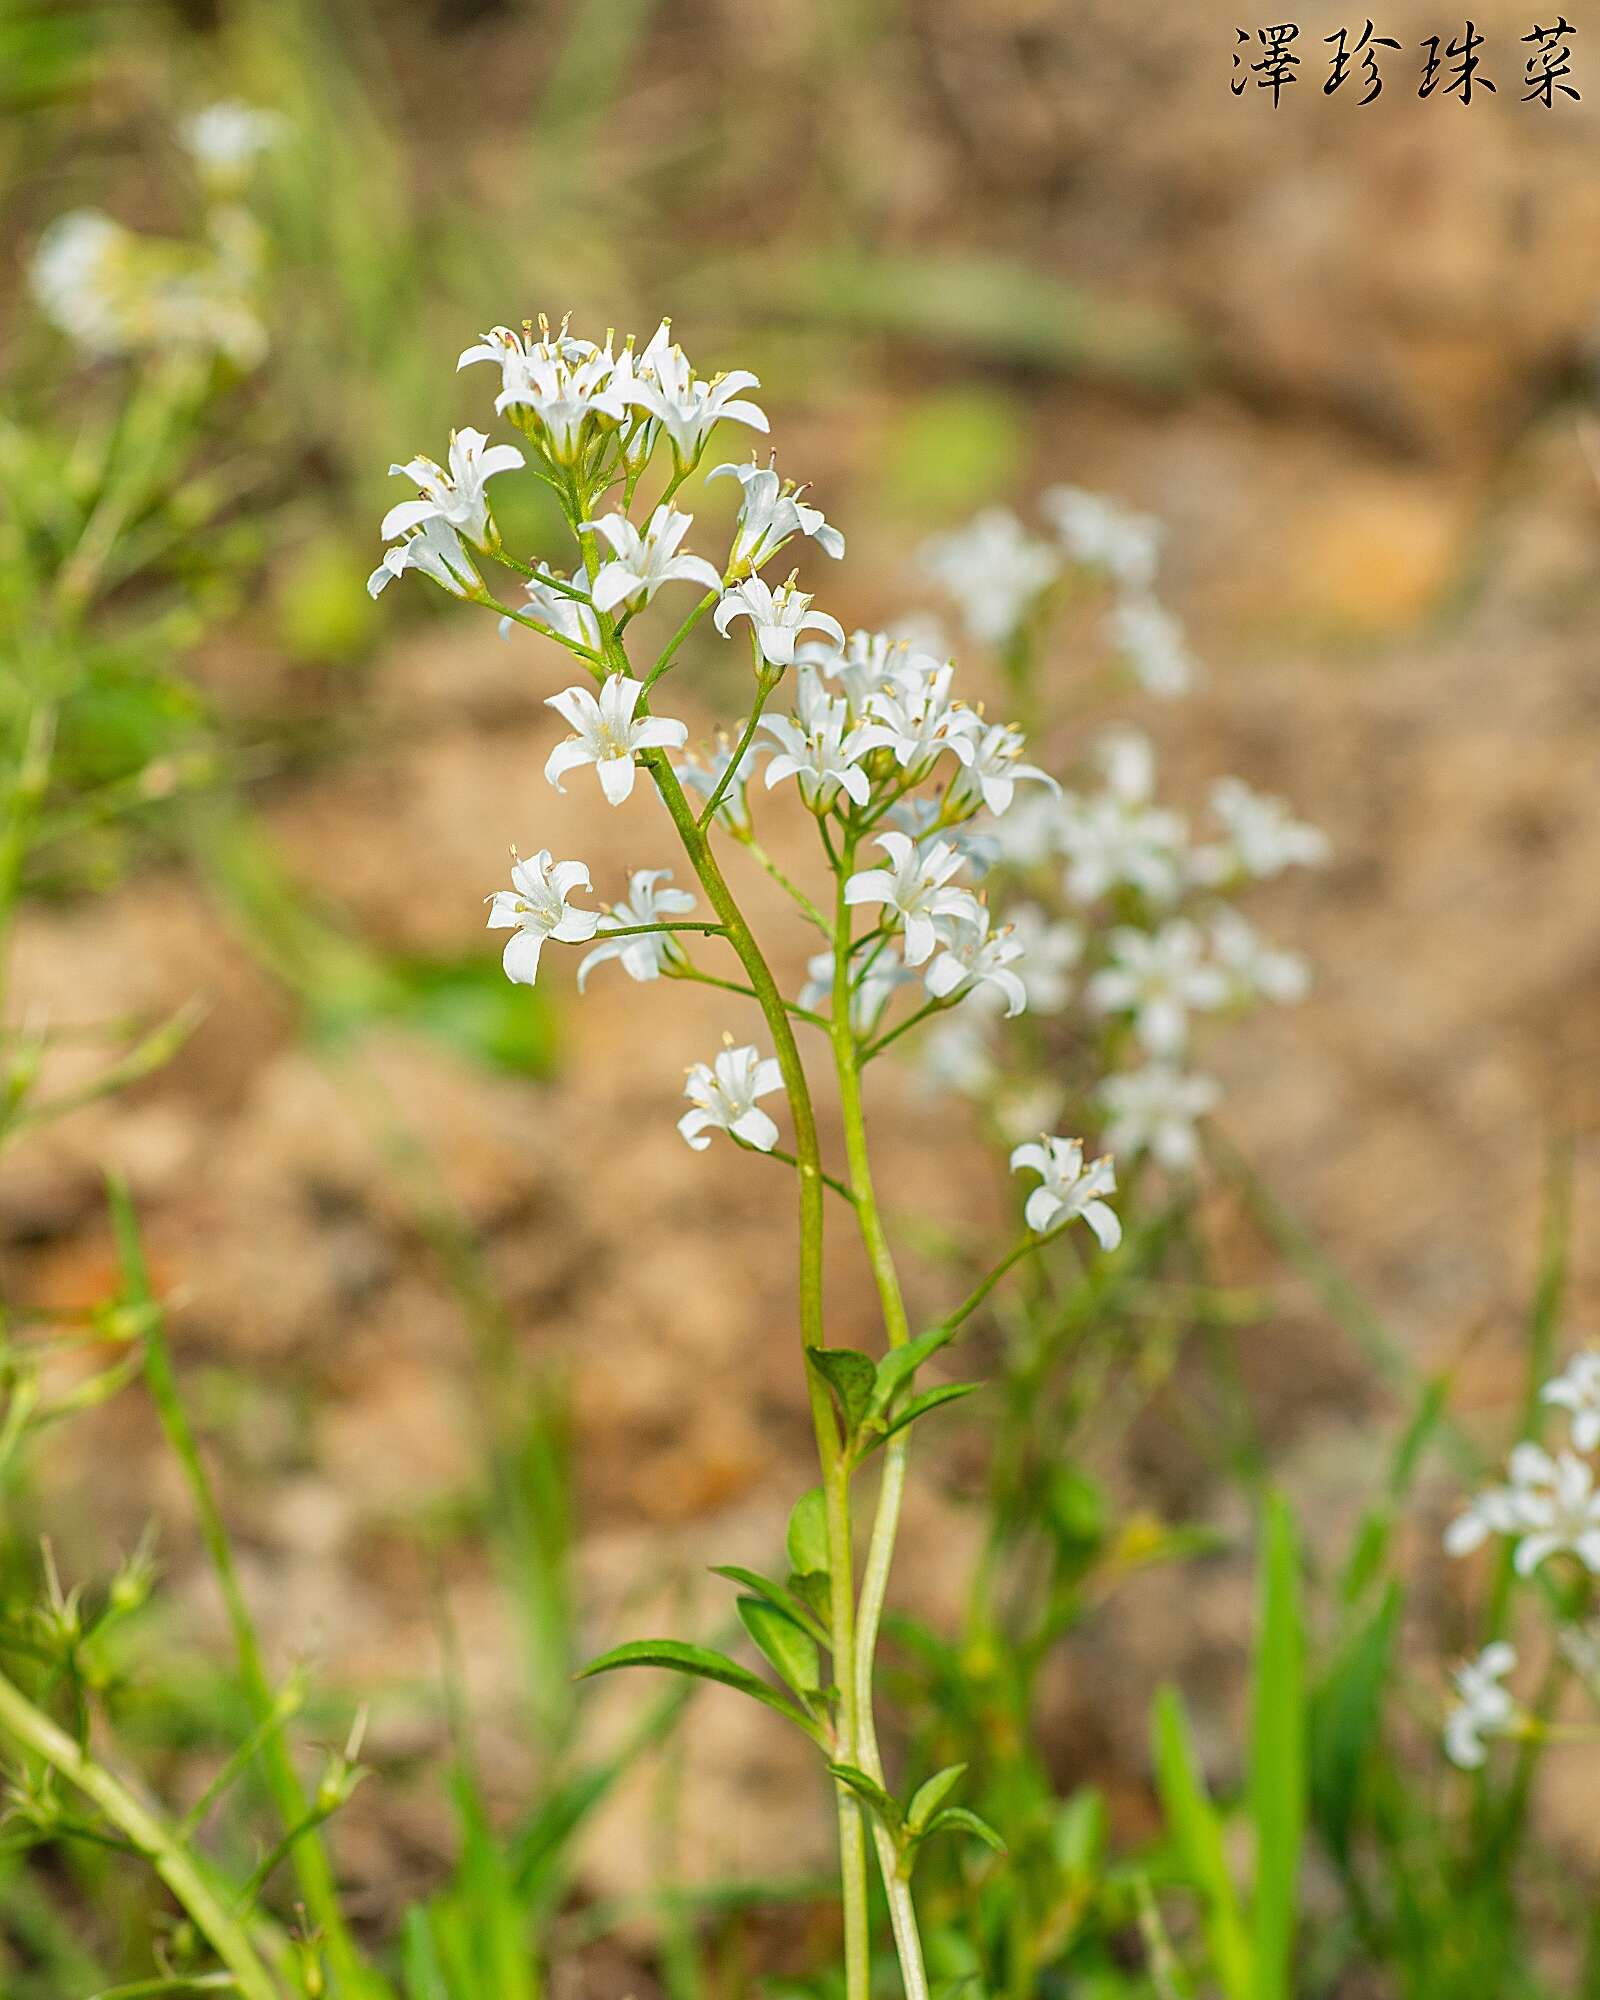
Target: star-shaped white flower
(1154, 1110)
(1051, 947)
(435, 550)
(455, 496)
(1067, 1188)
(1577, 1390)
(994, 570)
(1159, 977)
(778, 617)
(822, 749)
(1118, 835)
(608, 733)
(1152, 642)
(570, 618)
(770, 512)
(703, 773)
(536, 908)
(1261, 839)
(991, 774)
(641, 563)
(918, 718)
(1483, 1707)
(974, 958)
(1102, 535)
(724, 1098)
(563, 381)
(1548, 1504)
(866, 664)
(915, 888)
(689, 409)
(643, 954)
(870, 988)
(1255, 968)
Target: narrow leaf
(698, 1660)
(808, 1534)
(930, 1399)
(928, 1797)
(887, 1808)
(957, 1819)
(1197, 1830)
(786, 1645)
(1278, 1755)
(901, 1363)
(775, 1593)
(852, 1376)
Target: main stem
(891, 1490)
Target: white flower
(1151, 641)
(778, 617)
(974, 958)
(955, 1054)
(456, 497)
(867, 663)
(724, 1098)
(642, 955)
(916, 717)
(1068, 1189)
(564, 381)
(1154, 1110)
(1033, 830)
(870, 990)
(1117, 835)
(571, 618)
(703, 774)
(1254, 966)
(536, 907)
(1484, 1707)
(688, 409)
(995, 769)
(994, 570)
(643, 562)
(770, 513)
(225, 137)
(1100, 534)
(1578, 1391)
(1263, 837)
(436, 550)
(1159, 977)
(1548, 1504)
(1051, 947)
(914, 888)
(608, 733)
(822, 749)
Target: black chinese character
(1240, 83)
(1276, 69)
(1551, 60)
(1464, 54)
(1343, 56)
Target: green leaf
(930, 1795)
(698, 1660)
(788, 1646)
(930, 1399)
(852, 1376)
(887, 1808)
(1197, 1829)
(1278, 1755)
(815, 1589)
(775, 1593)
(1344, 1722)
(957, 1819)
(901, 1363)
(808, 1534)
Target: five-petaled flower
(724, 1096)
(608, 733)
(1158, 977)
(1577, 1390)
(916, 888)
(644, 952)
(1483, 1707)
(642, 562)
(437, 551)
(770, 512)
(536, 908)
(822, 749)
(777, 617)
(975, 958)
(456, 496)
(1067, 1188)
(1154, 1110)
(1547, 1505)
(686, 408)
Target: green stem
(891, 1489)
(313, 1871)
(764, 686)
(144, 1831)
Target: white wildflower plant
(1092, 932)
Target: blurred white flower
(724, 1098)
(644, 954)
(777, 617)
(770, 512)
(703, 771)
(1254, 967)
(1548, 1504)
(1154, 1110)
(915, 888)
(870, 989)
(436, 550)
(536, 907)
(1033, 831)
(456, 496)
(1118, 835)
(1151, 640)
(226, 137)
(1068, 1189)
(973, 958)
(994, 570)
(1577, 1390)
(1159, 978)
(955, 1053)
(1262, 837)
(1483, 1707)
(642, 563)
(1051, 947)
(1102, 535)
(608, 733)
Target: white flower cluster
(114, 292)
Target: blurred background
(416, 1223)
